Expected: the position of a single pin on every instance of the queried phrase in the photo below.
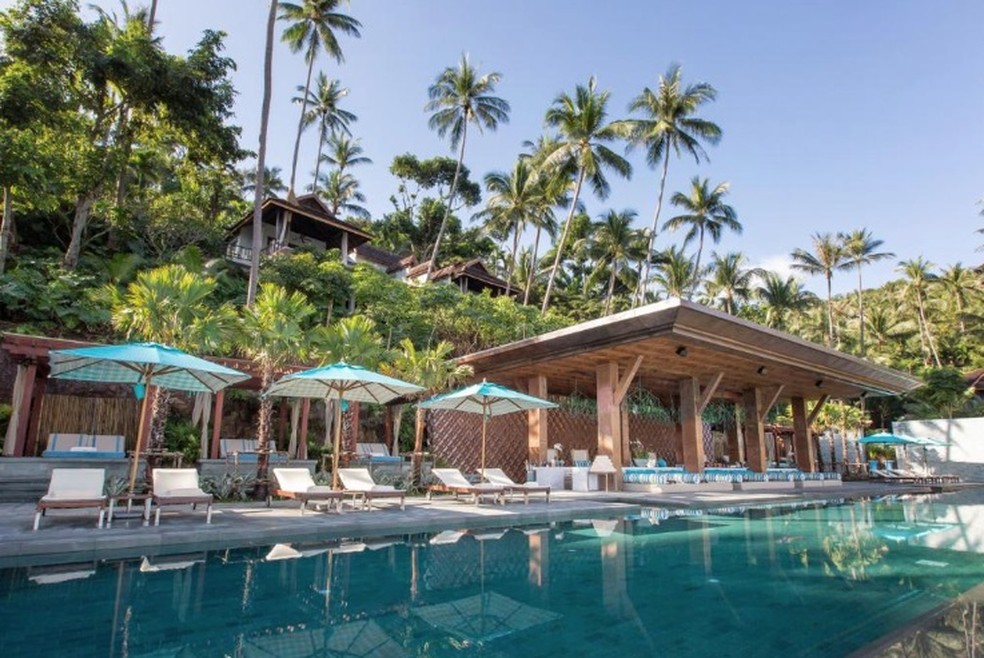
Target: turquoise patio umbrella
(488, 399)
(341, 381)
(143, 365)
(885, 438)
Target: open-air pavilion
(692, 354)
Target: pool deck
(71, 535)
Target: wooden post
(281, 424)
(537, 436)
(691, 426)
(40, 385)
(217, 423)
(303, 431)
(755, 453)
(609, 417)
(24, 413)
(805, 459)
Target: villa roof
(386, 259)
(473, 269)
(678, 339)
(312, 212)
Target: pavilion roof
(677, 339)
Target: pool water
(812, 580)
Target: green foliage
(181, 436)
(944, 394)
(321, 277)
(641, 402)
(231, 487)
(47, 298)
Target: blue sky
(836, 115)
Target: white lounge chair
(74, 488)
(452, 481)
(359, 483)
(498, 477)
(178, 486)
(297, 484)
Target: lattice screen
(457, 438)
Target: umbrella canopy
(889, 439)
(143, 364)
(139, 363)
(488, 399)
(341, 381)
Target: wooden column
(691, 426)
(33, 423)
(303, 431)
(537, 436)
(609, 416)
(24, 413)
(755, 453)
(805, 459)
(281, 424)
(217, 424)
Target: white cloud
(781, 264)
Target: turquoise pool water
(815, 580)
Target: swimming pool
(811, 580)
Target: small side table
(130, 498)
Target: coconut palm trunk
(532, 273)
(512, 263)
(700, 250)
(254, 267)
(861, 313)
(611, 289)
(6, 227)
(563, 240)
(300, 129)
(652, 232)
(321, 148)
(447, 209)
(830, 311)
(418, 444)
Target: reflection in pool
(817, 579)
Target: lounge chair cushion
(182, 493)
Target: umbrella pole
(338, 442)
(485, 421)
(144, 408)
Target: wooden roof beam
(770, 400)
(816, 409)
(626, 381)
(709, 392)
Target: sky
(835, 115)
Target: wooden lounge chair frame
(319, 495)
(452, 481)
(358, 483)
(183, 482)
(65, 491)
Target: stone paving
(71, 535)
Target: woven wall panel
(456, 437)
(70, 414)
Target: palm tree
(458, 97)
(780, 297)
(918, 280)
(259, 176)
(669, 123)
(433, 369)
(730, 282)
(963, 286)
(325, 112)
(353, 340)
(828, 255)
(313, 26)
(584, 136)
(344, 152)
(515, 199)
(341, 191)
(675, 272)
(172, 305)
(861, 249)
(612, 242)
(275, 334)
(271, 180)
(706, 212)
